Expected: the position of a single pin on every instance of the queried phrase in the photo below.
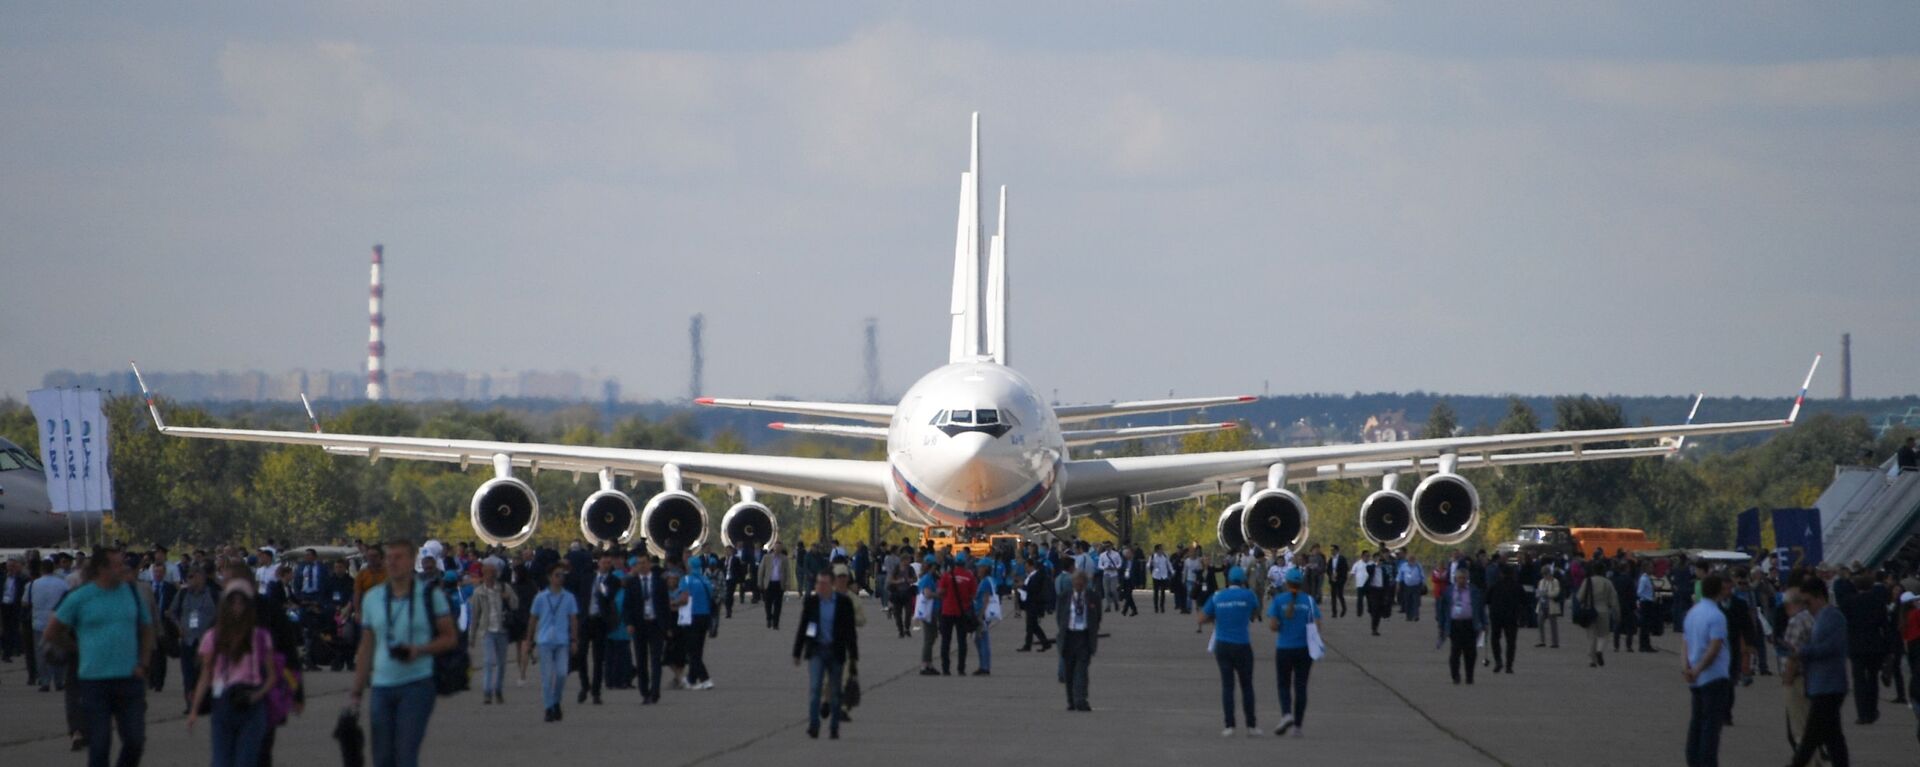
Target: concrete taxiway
(1374, 700)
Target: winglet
(1800, 400)
(1681, 441)
(158, 422)
(310, 418)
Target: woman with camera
(236, 662)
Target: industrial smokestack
(872, 354)
(1846, 366)
(376, 348)
(696, 386)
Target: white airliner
(973, 446)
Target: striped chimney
(376, 348)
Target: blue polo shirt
(1705, 623)
(1231, 610)
(555, 611)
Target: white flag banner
(73, 445)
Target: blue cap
(961, 557)
(929, 559)
(1236, 574)
(1296, 575)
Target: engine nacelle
(1227, 529)
(608, 519)
(673, 522)
(1386, 519)
(1275, 519)
(505, 512)
(749, 525)
(1446, 509)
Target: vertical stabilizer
(964, 343)
(996, 309)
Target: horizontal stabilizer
(832, 430)
(1091, 436)
(1078, 413)
(853, 410)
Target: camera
(399, 653)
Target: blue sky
(1323, 195)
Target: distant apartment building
(402, 385)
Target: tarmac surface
(1155, 692)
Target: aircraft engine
(505, 512)
(748, 525)
(1228, 529)
(673, 522)
(1446, 509)
(1386, 518)
(1275, 519)
(608, 519)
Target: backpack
(450, 668)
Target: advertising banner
(73, 445)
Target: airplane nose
(977, 472)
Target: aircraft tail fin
(996, 310)
(964, 342)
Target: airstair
(1871, 516)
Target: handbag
(850, 693)
(1583, 613)
(1316, 647)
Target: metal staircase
(1870, 515)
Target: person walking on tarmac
(1231, 610)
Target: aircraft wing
(1095, 436)
(861, 482)
(1096, 479)
(1079, 413)
(855, 411)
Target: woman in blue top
(1231, 611)
(1288, 617)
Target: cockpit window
(986, 416)
(15, 459)
(938, 418)
(962, 416)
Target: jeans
(1181, 594)
(1823, 729)
(237, 734)
(697, 649)
(189, 671)
(553, 673)
(1159, 595)
(493, 669)
(822, 668)
(949, 626)
(985, 647)
(50, 674)
(1236, 662)
(105, 703)
(1291, 666)
(1703, 728)
(399, 715)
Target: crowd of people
(413, 624)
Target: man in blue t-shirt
(555, 629)
(111, 627)
(405, 622)
(1230, 610)
(1706, 674)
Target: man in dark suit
(648, 613)
(1079, 618)
(827, 641)
(1337, 567)
(13, 602)
(596, 605)
(1035, 604)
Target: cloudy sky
(1324, 195)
